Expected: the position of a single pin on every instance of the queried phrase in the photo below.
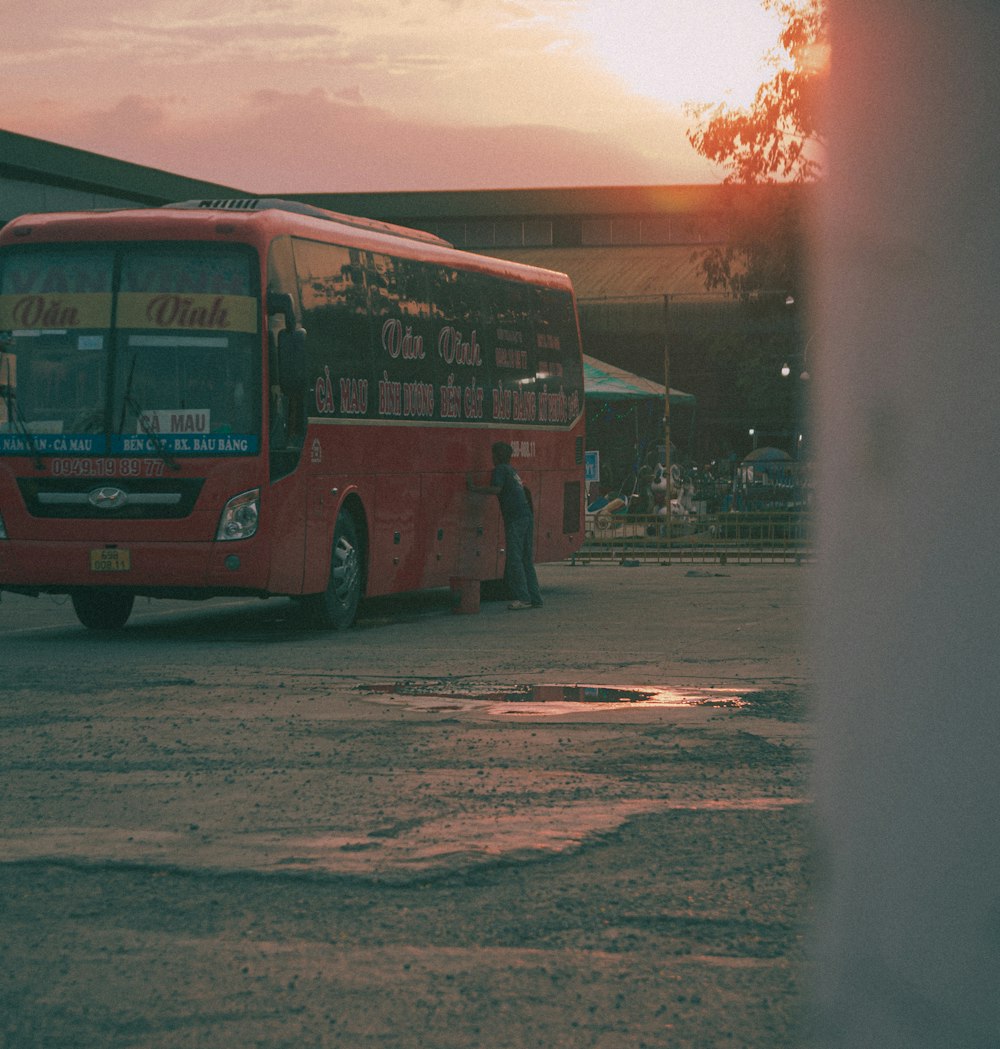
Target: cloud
(328, 95)
(350, 94)
(274, 141)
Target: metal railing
(732, 537)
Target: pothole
(439, 696)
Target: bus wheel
(102, 609)
(336, 607)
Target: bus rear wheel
(102, 609)
(336, 607)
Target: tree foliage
(771, 149)
(779, 137)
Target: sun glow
(681, 51)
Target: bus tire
(336, 607)
(102, 609)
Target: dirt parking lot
(587, 825)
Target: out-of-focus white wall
(907, 606)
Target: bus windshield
(140, 349)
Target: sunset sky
(349, 95)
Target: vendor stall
(625, 423)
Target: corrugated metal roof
(35, 159)
(620, 273)
(583, 200)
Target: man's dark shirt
(513, 501)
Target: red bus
(258, 397)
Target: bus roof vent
(246, 204)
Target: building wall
(907, 592)
(22, 196)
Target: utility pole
(666, 393)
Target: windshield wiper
(158, 445)
(15, 412)
(129, 401)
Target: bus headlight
(240, 516)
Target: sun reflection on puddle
(438, 697)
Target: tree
(772, 152)
(778, 138)
(775, 145)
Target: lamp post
(804, 377)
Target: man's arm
(481, 489)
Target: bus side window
(333, 287)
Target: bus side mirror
(281, 302)
(291, 340)
(292, 357)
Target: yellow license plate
(110, 560)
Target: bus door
(333, 293)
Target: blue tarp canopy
(607, 382)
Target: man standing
(519, 528)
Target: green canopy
(607, 382)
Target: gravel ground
(222, 830)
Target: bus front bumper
(142, 568)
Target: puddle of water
(599, 695)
